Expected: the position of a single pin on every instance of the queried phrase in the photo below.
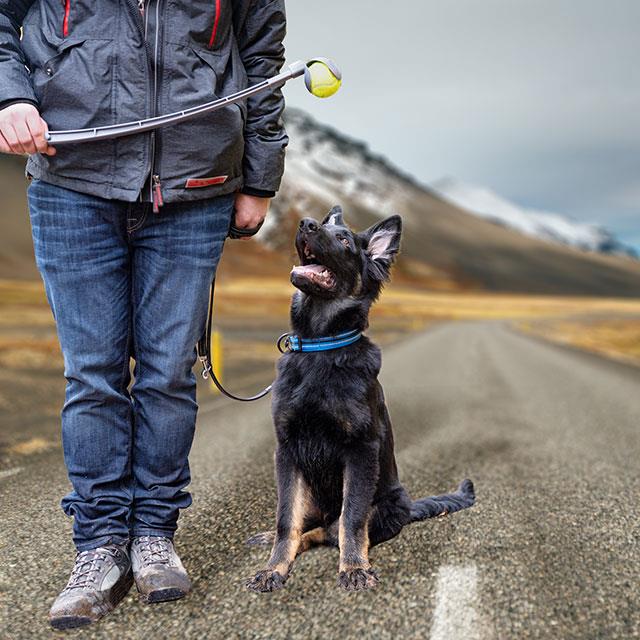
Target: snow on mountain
(540, 224)
(325, 165)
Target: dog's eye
(345, 242)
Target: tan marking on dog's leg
(354, 552)
(313, 538)
(354, 546)
(285, 549)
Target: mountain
(539, 224)
(444, 247)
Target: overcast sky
(537, 99)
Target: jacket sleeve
(260, 27)
(15, 83)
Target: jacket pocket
(75, 90)
(45, 73)
(74, 86)
(211, 144)
(222, 86)
(200, 23)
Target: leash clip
(285, 339)
(206, 367)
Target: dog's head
(336, 262)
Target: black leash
(286, 343)
(204, 344)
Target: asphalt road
(550, 436)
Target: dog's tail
(435, 506)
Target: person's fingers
(250, 212)
(252, 225)
(244, 222)
(37, 127)
(51, 151)
(12, 138)
(24, 137)
(4, 145)
(248, 219)
(252, 222)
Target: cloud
(627, 197)
(537, 99)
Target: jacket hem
(181, 194)
(112, 191)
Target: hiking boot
(100, 579)
(157, 569)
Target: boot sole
(162, 595)
(70, 622)
(117, 594)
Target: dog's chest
(321, 402)
(316, 447)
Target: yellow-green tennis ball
(323, 83)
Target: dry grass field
(251, 312)
(611, 336)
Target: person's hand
(250, 211)
(22, 130)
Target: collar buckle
(284, 343)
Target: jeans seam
(145, 211)
(127, 355)
(123, 391)
(132, 300)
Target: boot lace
(88, 565)
(154, 550)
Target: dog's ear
(334, 217)
(381, 243)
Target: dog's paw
(358, 579)
(263, 538)
(266, 580)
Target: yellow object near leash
(218, 358)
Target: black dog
(336, 471)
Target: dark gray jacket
(87, 63)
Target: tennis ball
(322, 82)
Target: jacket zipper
(133, 7)
(157, 200)
(155, 185)
(216, 20)
(65, 21)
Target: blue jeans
(123, 281)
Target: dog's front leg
(293, 504)
(359, 484)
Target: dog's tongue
(305, 269)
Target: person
(127, 235)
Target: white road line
(455, 616)
(10, 472)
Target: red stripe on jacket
(212, 39)
(65, 22)
(204, 182)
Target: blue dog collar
(292, 342)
